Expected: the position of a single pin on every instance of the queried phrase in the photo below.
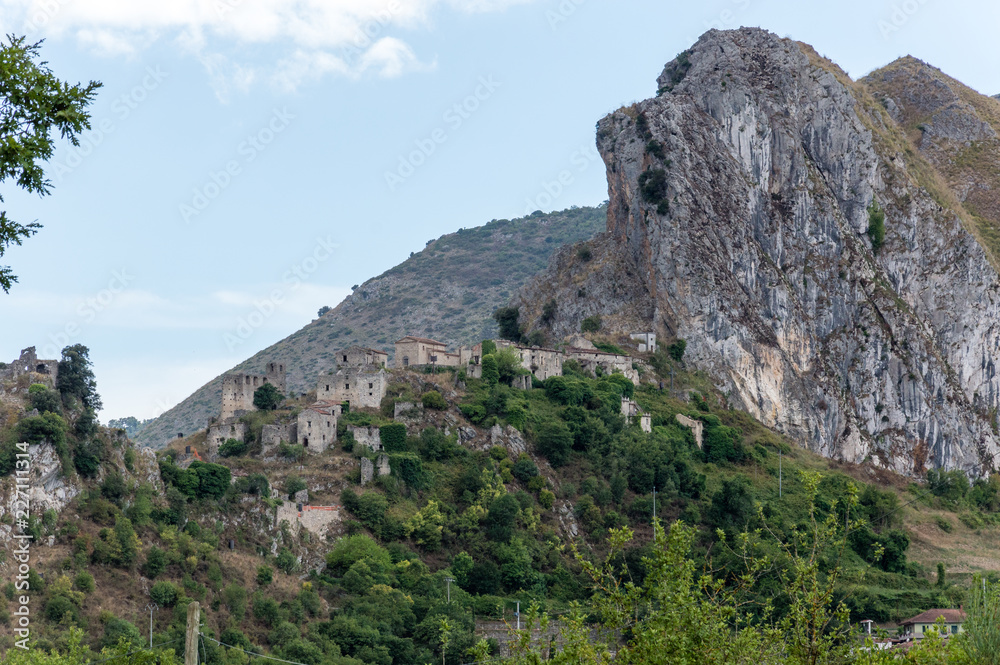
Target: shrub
(524, 469)
(232, 448)
(44, 400)
(546, 499)
(501, 518)
(876, 225)
(489, 347)
(676, 350)
(653, 185)
(393, 437)
(156, 562)
(583, 252)
(591, 324)
(549, 311)
(554, 441)
(84, 582)
(267, 397)
(292, 451)
(264, 577)
(294, 484)
(432, 399)
(163, 594)
(491, 370)
(286, 561)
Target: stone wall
(367, 436)
(362, 387)
(221, 432)
(316, 429)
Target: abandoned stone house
(238, 389)
(540, 361)
(219, 433)
(360, 387)
(646, 340)
(633, 412)
(29, 363)
(317, 426)
(357, 356)
(412, 351)
(592, 359)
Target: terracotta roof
(422, 339)
(930, 616)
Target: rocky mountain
(447, 291)
(827, 247)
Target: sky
(251, 160)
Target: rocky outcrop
(740, 199)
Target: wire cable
(250, 653)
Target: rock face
(740, 204)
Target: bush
(44, 400)
(294, 484)
(583, 252)
(491, 370)
(292, 451)
(84, 582)
(876, 226)
(554, 440)
(286, 561)
(156, 562)
(489, 347)
(501, 518)
(232, 448)
(591, 324)
(264, 577)
(393, 437)
(653, 185)
(546, 499)
(432, 399)
(524, 469)
(267, 397)
(676, 350)
(163, 594)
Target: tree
(323, 310)
(76, 377)
(876, 225)
(507, 320)
(501, 518)
(267, 397)
(35, 104)
(555, 441)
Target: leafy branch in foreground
(33, 104)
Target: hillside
(447, 291)
(825, 247)
(489, 486)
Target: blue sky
(265, 155)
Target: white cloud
(318, 37)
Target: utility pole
(654, 503)
(779, 473)
(518, 615)
(151, 607)
(191, 638)
(448, 581)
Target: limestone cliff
(741, 198)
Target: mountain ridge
(820, 268)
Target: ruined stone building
(540, 361)
(361, 387)
(238, 389)
(357, 356)
(412, 351)
(647, 341)
(317, 426)
(591, 359)
(29, 363)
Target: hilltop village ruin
(360, 379)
